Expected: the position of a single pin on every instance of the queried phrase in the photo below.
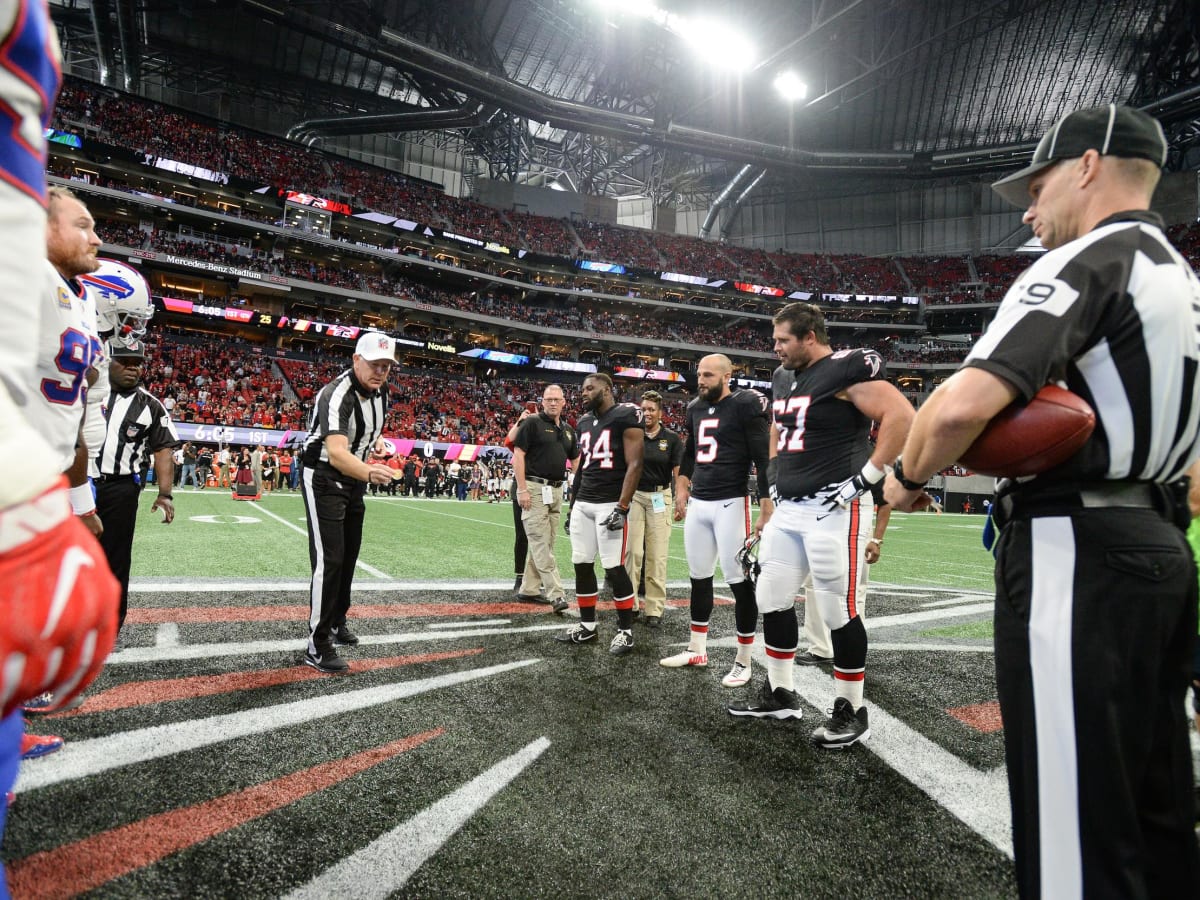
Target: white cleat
(686, 658)
(738, 675)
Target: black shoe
(808, 658)
(779, 703)
(559, 604)
(576, 634)
(530, 598)
(652, 621)
(621, 644)
(327, 662)
(844, 727)
(344, 636)
(517, 583)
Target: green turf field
(444, 540)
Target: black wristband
(898, 474)
(165, 497)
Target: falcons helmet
(122, 298)
(747, 558)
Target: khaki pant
(649, 539)
(541, 527)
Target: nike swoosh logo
(73, 561)
(826, 516)
(729, 504)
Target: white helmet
(122, 298)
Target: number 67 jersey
(822, 438)
(66, 347)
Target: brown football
(1027, 439)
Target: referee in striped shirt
(1096, 588)
(346, 425)
(136, 425)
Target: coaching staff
(347, 421)
(136, 425)
(1095, 585)
(541, 448)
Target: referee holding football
(137, 424)
(347, 423)
(1096, 589)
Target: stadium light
(721, 45)
(790, 87)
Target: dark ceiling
(539, 90)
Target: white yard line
(80, 759)
(222, 586)
(384, 866)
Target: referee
(1095, 585)
(347, 422)
(137, 425)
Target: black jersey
(602, 464)
(822, 439)
(663, 453)
(721, 441)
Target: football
(1031, 438)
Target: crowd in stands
(937, 276)
(869, 275)
(691, 256)
(627, 246)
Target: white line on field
(222, 586)
(370, 570)
(928, 615)
(79, 759)
(384, 866)
(953, 601)
(934, 648)
(167, 635)
(472, 624)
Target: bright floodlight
(790, 87)
(721, 46)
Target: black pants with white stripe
(335, 509)
(117, 506)
(1095, 623)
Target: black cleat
(844, 727)
(621, 644)
(327, 662)
(779, 703)
(559, 604)
(807, 658)
(652, 621)
(530, 598)
(576, 634)
(344, 636)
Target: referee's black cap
(132, 349)
(1110, 130)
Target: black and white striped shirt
(345, 407)
(137, 426)
(1115, 314)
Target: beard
(712, 394)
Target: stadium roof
(574, 93)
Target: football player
(611, 443)
(821, 464)
(726, 431)
(59, 599)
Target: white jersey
(67, 344)
(28, 81)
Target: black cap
(133, 349)
(1109, 130)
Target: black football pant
(521, 541)
(335, 509)
(1094, 626)
(117, 506)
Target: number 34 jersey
(67, 345)
(602, 464)
(821, 437)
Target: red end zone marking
(984, 717)
(72, 869)
(140, 693)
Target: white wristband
(871, 473)
(83, 501)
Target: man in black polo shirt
(347, 422)
(541, 448)
(649, 514)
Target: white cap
(373, 346)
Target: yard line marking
(370, 570)
(953, 601)
(190, 687)
(468, 624)
(360, 611)
(80, 759)
(223, 586)
(384, 866)
(978, 799)
(929, 615)
(934, 648)
(167, 635)
(134, 655)
(86, 864)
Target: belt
(543, 481)
(1162, 498)
(658, 488)
(105, 479)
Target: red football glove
(59, 601)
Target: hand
(525, 501)
(902, 499)
(61, 602)
(567, 520)
(616, 519)
(167, 505)
(379, 474)
(847, 492)
(681, 500)
(766, 509)
(873, 551)
(93, 524)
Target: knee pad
(777, 587)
